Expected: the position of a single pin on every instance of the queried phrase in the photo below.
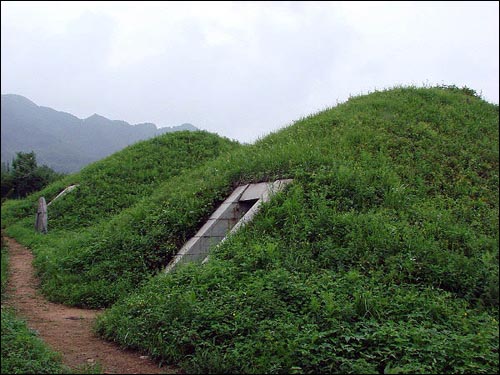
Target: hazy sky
(240, 69)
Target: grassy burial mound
(119, 181)
(381, 256)
(74, 267)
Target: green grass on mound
(382, 256)
(121, 180)
(73, 262)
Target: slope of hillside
(381, 257)
(120, 180)
(105, 188)
(62, 141)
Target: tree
(23, 174)
(7, 183)
(26, 176)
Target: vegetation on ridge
(381, 257)
(73, 266)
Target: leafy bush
(25, 176)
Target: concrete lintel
(263, 190)
(255, 191)
(235, 196)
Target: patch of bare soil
(68, 330)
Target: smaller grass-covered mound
(78, 261)
(380, 257)
(119, 181)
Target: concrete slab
(227, 210)
(218, 228)
(205, 243)
(236, 194)
(255, 191)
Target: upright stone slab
(41, 216)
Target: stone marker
(41, 216)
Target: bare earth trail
(67, 330)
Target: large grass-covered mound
(381, 256)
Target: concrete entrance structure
(237, 210)
(62, 193)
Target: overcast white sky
(240, 69)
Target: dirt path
(67, 330)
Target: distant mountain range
(62, 141)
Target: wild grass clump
(382, 256)
(23, 352)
